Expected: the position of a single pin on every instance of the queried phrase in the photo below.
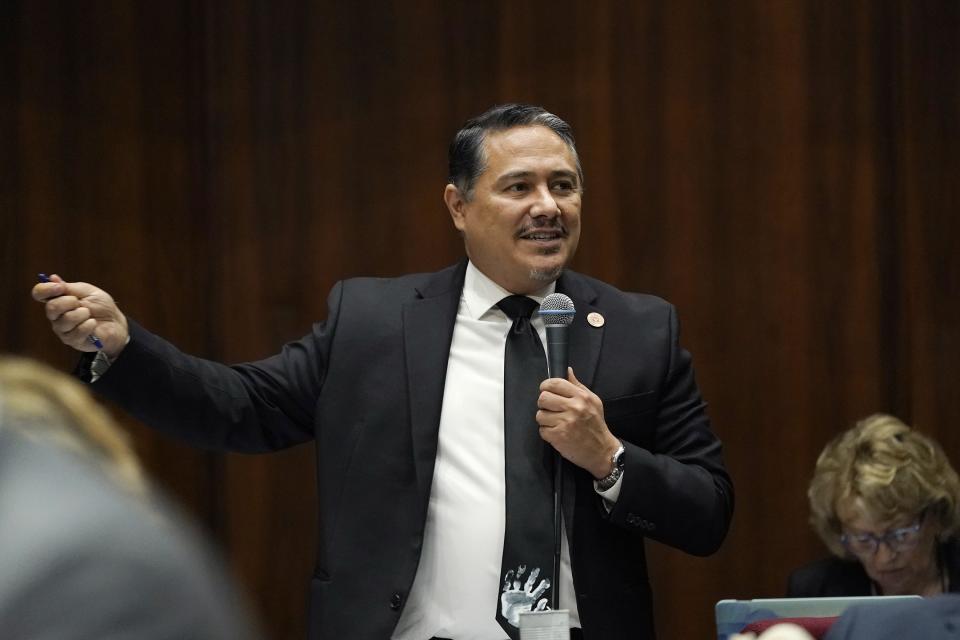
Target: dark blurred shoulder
(828, 577)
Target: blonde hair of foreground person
(892, 469)
(782, 631)
(46, 405)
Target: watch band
(606, 482)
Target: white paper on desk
(545, 625)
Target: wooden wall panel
(782, 171)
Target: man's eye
(563, 186)
(517, 187)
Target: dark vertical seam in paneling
(301, 127)
(892, 313)
(11, 179)
(72, 113)
(720, 213)
(198, 145)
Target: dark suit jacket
(928, 619)
(836, 577)
(367, 385)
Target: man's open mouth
(544, 235)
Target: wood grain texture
(784, 172)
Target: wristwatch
(608, 481)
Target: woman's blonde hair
(47, 405)
(893, 470)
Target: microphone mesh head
(557, 310)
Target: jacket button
(396, 600)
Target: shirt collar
(481, 294)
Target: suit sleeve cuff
(610, 495)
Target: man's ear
(456, 205)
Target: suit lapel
(585, 340)
(428, 322)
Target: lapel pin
(594, 319)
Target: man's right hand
(77, 310)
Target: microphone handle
(557, 351)
(557, 359)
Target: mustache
(540, 227)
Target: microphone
(557, 311)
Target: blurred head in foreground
(782, 631)
(50, 407)
(886, 496)
(85, 550)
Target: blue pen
(92, 338)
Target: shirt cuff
(99, 366)
(101, 363)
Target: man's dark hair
(467, 158)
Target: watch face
(618, 458)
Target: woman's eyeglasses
(866, 544)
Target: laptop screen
(733, 615)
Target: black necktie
(528, 539)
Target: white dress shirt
(458, 583)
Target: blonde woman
(884, 499)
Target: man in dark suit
(402, 389)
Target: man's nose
(544, 205)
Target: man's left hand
(571, 420)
